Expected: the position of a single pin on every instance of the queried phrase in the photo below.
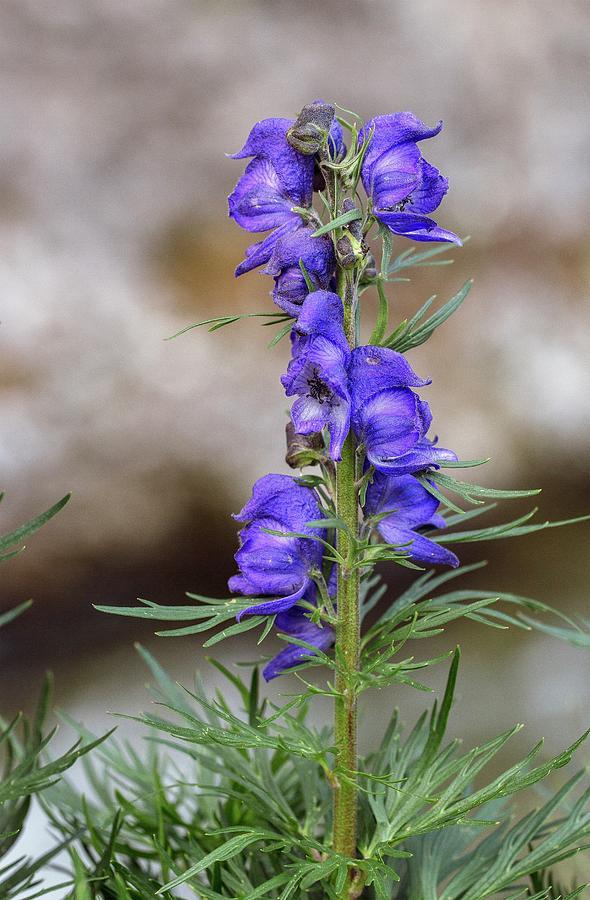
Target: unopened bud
(356, 227)
(302, 449)
(369, 273)
(349, 250)
(309, 132)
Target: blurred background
(114, 235)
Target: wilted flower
(401, 184)
(410, 507)
(316, 254)
(272, 564)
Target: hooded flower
(296, 623)
(370, 386)
(317, 255)
(277, 179)
(318, 371)
(409, 507)
(270, 564)
(401, 184)
(387, 416)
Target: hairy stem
(347, 629)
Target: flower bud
(302, 449)
(311, 128)
(356, 227)
(370, 271)
(349, 250)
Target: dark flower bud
(302, 449)
(311, 128)
(319, 182)
(356, 227)
(370, 270)
(350, 250)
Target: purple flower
(277, 179)
(387, 417)
(318, 371)
(270, 564)
(317, 255)
(296, 622)
(409, 507)
(370, 386)
(336, 145)
(402, 185)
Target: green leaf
(12, 614)
(507, 529)
(221, 321)
(414, 338)
(220, 854)
(309, 283)
(350, 216)
(472, 491)
(280, 335)
(382, 315)
(578, 637)
(463, 463)
(8, 541)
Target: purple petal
(268, 140)
(394, 176)
(322, 314)
(316, 254)
(259, 201)
(290, 290)
(296, 623)
(375, 369)
(416, 227)
(259, 253)
(425, 454)
(390, 131)
(318, 364)
(281, 498)
(336, 145)
(389, 425)
(421, 549)
(309, 416)
(271, 607)
(411, 504)
(427, 196)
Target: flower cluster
(338, 389)
(281, 554)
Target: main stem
(348, 625)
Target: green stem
(348, 627)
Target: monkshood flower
(368, 386)
(388, 418)
(409, 507)
(402, 185)
(270, 564)
(318, 371)
(317, 255)
(296, 623)
(278, 179)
